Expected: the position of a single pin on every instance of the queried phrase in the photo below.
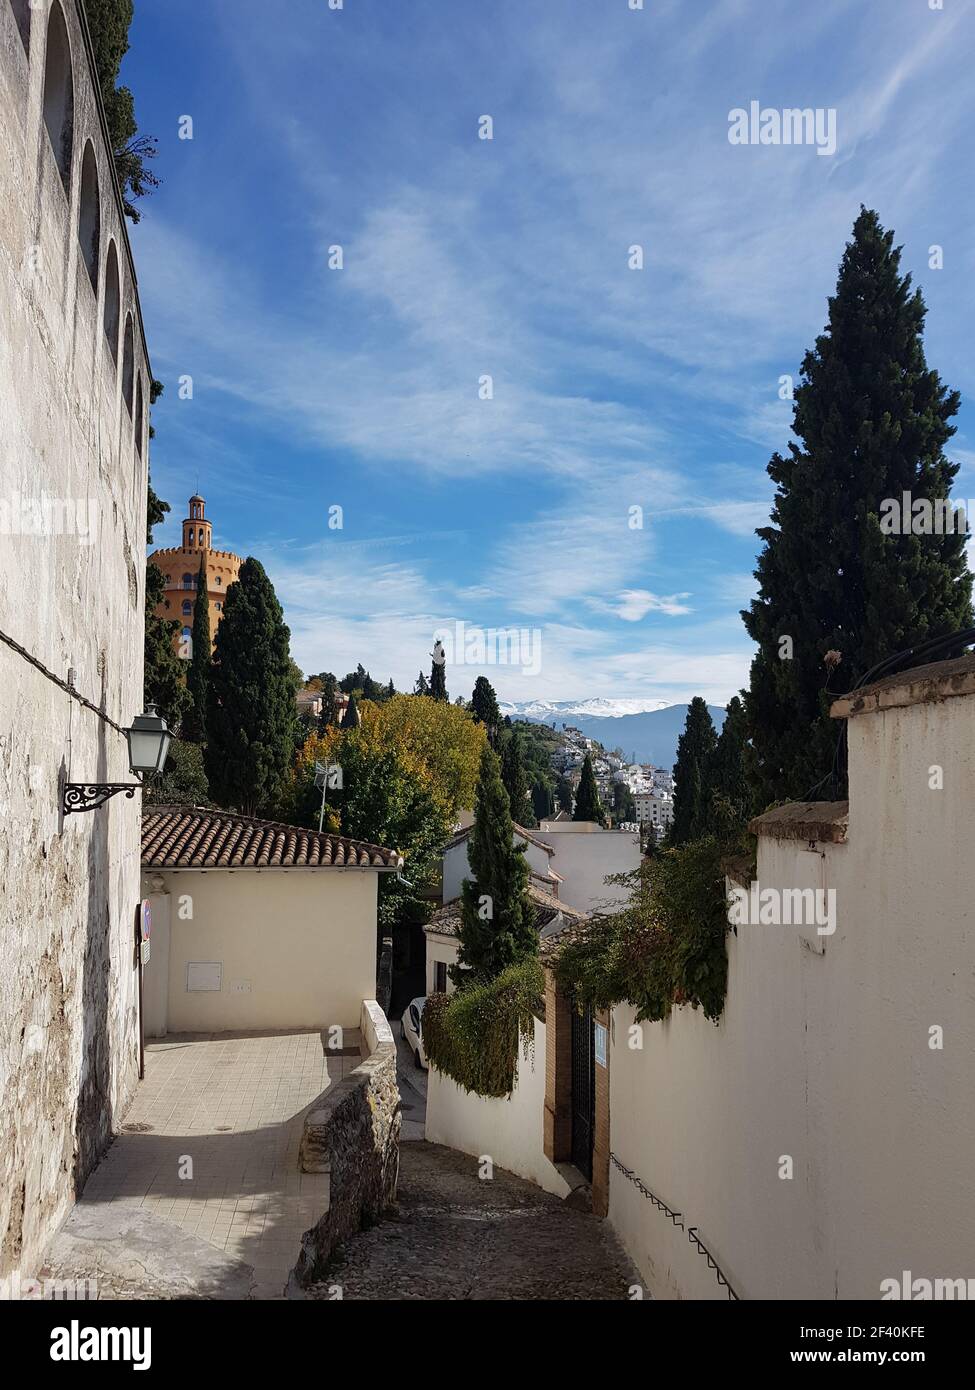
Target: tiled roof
(190, 837)
(446, 919)
(461, 836)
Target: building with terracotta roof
(180, 566)
(256, 924)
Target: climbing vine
(665, 946)
(473, 1034)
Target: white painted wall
(584, 860)
(72, 598)
(440, 948)
(822, 1054)
(456, 866)
(155, 975)
(297, 948)
(509, 1130)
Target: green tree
(350, 719)
(329, 690)
(624, 807)
(730, 792)
(251, 702)
(514, 778)
(563, 794)
(164, 681)
(835, 588)
(438, 674)
(198, 676)
(421, 687)
(588, 805)
(484, 707)
(183, 781)
(692, 773)
(109, 22)
(497, 926)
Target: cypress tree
(730, 793)
(692, 772)
(563, 794)
(421, 687)
(438, 674)
(198, 676)
(251, 701)
(588, 805)
(835, 588)
(484, 707)
(350, 719)
(497, 925)
(329, 690)
(515, 781)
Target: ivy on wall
(666, 946)
(473, 1035)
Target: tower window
(187, 581)
(187, 607)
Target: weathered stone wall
(71, 594)
(353, 1135)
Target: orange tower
(181, 571)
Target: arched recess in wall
(139, 415)
(21, 9)
(128, 365)
(112, 301)
(89, 215)
(59, 93)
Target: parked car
(411, 1026)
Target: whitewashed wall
(68, 1042)
(508, 1130)
(456, 865)
(825, 1057)
(584, 860)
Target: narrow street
(455, 1235)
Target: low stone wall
(353, 1135)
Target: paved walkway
(200, 1195)
(457, 1236)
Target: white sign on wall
(599, 1043)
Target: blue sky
(463, 257)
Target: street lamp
(148, 739)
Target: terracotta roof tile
(191, 837)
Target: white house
(256, 924)
(583, 853)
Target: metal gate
(583, 1092)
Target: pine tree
(350, 719)
(515, 781)
(438, 674)
(198, 676)
(421, 687)
(497, 925)
(692, 773)
(873, 422)
(729, 789)
(588, 805)
(484, 707)
(251, 702)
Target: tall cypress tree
(198, 676)
(438, 674)
(563, 794)
(251, 702)
(329, 689)
(588, 804)
(350, 719)
(164, 679)
(421, 687)
(730, 792)
(515, 780)
(692, 773)
(497, 925)
(873, 423)
(484, 707)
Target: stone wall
(72, 595)
(353, 1135)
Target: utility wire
(62, 685)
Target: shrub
(473, 1035)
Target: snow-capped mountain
(544, 711)
(645, 730)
